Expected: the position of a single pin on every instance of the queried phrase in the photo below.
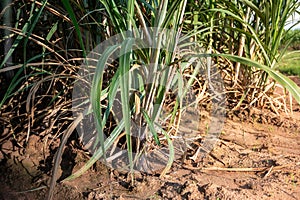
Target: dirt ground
(257, 158)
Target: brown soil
(254, 159)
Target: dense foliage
(45, 42)
(293, 37)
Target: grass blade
(99, 153)
(96, 91)
(74, 20)
(125, 62)
(151, 127)
(277, 76)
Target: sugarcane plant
(146, 70)
(134, 87)
(246, 37)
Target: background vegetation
(290, 63)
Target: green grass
(290, 64)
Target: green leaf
(99, 153)
(151, 126)
(96, 91)
(74, 20)
(125, 62)
(277, 76)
